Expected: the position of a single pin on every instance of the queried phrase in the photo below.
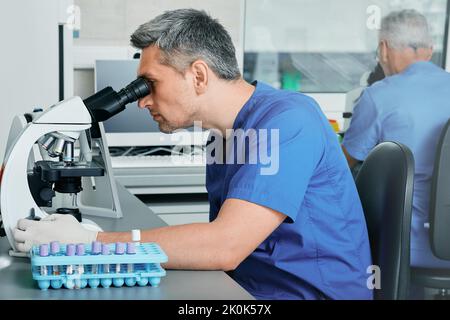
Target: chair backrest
(440, 198)
(385, 186)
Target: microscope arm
(85, 148)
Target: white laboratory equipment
(40, 162)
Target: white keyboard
(157, 161)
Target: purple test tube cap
(131, 248)
(70, 250)
(80, 249)
(120, 248)
(96, 247)
(43, 250)
(54, 247)
(105, 250)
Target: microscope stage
(54, 171)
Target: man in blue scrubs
(410, 106)
(286, 220)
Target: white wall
(106, 26)
(28, 58)
(111, 22)
(84, 82)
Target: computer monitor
(134, 127)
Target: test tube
(120, 249)
(54, 250)
(136, 236)
(96, 250)
(43, 252)
(131, 249)
(130, 280)
(80, 268)
(70, 251)
(105, 252)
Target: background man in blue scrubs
(410, 106)
(295, 231)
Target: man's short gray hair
(406, 28)
(186, 35)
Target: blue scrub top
(411, 108)
(321, 250)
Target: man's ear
(383, 52)
(200, 71)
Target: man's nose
(145, 102)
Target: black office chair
(385, 187)
(439, 218)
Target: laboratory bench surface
(16, 281)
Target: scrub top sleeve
(280, 184)
(364, 131)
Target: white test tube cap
(136, 235)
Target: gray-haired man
(410, 106)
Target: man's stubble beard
(167, 128)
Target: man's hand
(55, 227)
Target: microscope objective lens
(42, 140)
(48, 142)
(68, 157)
(59, 146)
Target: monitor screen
(135, 126)
(117, 74)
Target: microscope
(43, 174)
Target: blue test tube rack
(145, 259)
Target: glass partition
(324, 46)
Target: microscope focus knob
(46, 194)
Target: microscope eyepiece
(107, 103)
(137, 89)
